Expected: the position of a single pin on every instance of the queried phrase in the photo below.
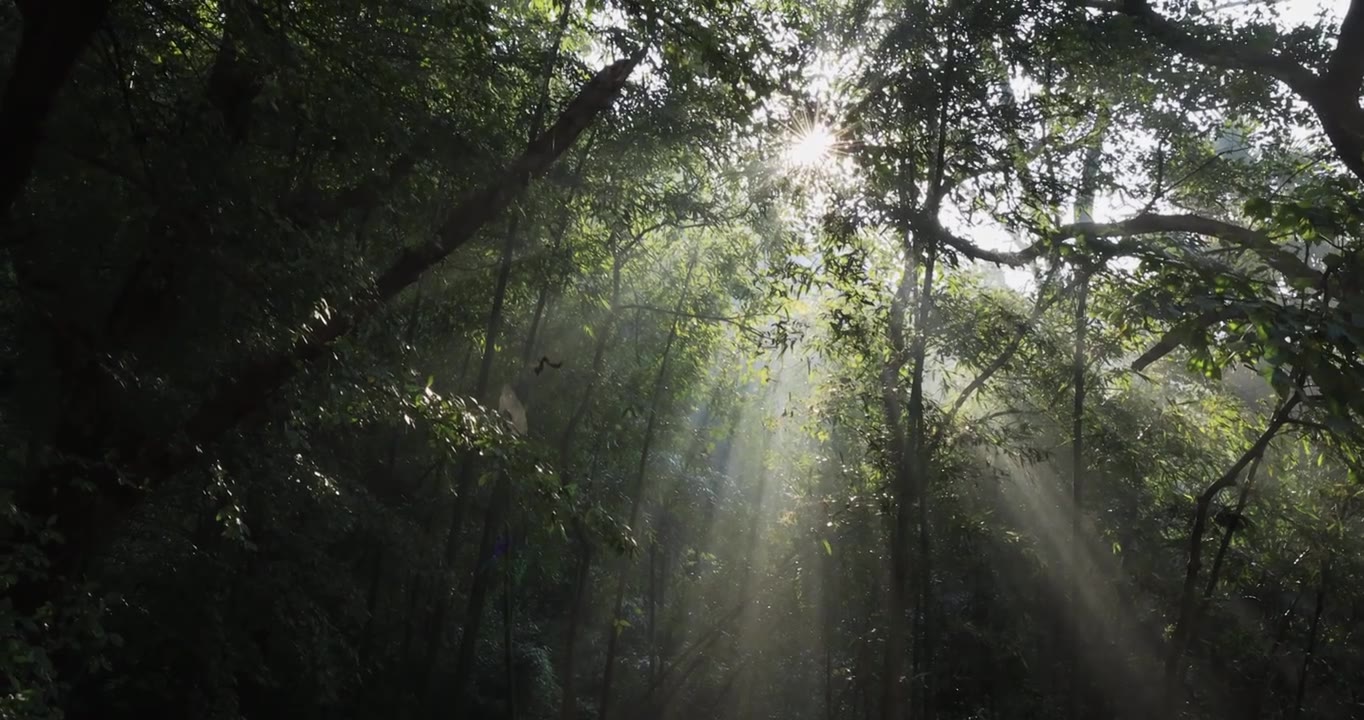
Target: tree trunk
(568, 707)
(898, 456)
(918, 458)
(464, 477)
(637, 494)
(829, 595)
(376, 576)
(1280, 633)
(478, 594)
(1310, 650)
(581, 410)
(468, 468)
(414, 595)
(744, 699)
(1237, 520)
(652, 612)
(86, 515)
(1179, 642)
(1084, 208)
(468, 464)
(508, 641)
(1077, 476)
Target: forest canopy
(625, 359)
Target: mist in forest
(631, 360)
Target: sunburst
(811, 147)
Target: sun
(811, 146)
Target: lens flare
(811, 147)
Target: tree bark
(468, 468)
(1077, 476)
(1280, 633)
(1310, 651)
(744, 699)
(243, 394)
(568, 707)
(1084, 208)
(54, 34)
(637, 496)
(84, 517)
(897, 606)
(652, 613)
(1332, 95)
(508, 641)
(1188, 597)
(919, 461)
(478, 594)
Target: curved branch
(1227, 55)
(1144, 224)
(997, 364)
(1345, 69)
(1184, 332)
(1334, 98)
(1183, 626)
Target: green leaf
(1259, 208)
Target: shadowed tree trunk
(637, 492)
(1174, 659)
(1084, 207)
(464, 486)
(568, 706)
(1309, 653)
(85, 515)
(1077, 460)
(743, 703)
(1267, 676)
(897, 606)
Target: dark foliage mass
(619, 360)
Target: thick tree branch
(1179, 641)
(1150, 223)
(83, 512)
(1334, 98)
(1182, 333)
(1145, 224)
(242, 395)
(1345, 69)
(1227, 55)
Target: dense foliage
(630, 359)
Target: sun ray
(811, 146)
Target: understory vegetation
(627, 359)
